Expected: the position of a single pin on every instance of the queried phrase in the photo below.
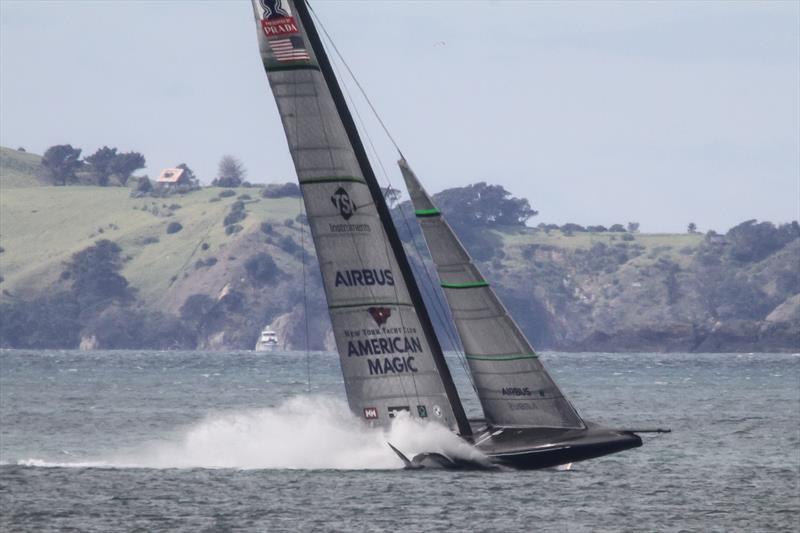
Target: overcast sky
(601, 112)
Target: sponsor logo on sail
(393, 411)
(380, 314)
(278, 20)
(517, 391)
(422, 411)
(365, 277)
(437, 411)
(370, 413)
(341, 200)
(394, 365)
(384, 345)
(521, 406)
(350, 228)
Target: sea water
(195, 441)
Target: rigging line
(436, 296)
(305, 295)
(352, 75)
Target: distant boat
(267, 341)
(390, 356)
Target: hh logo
(274, 9)
(422, 411)
(380, 314)
(341, 200)
(370, 413)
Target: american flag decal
(290, 48)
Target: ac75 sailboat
(390, 356)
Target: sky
(663, 113)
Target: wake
(310, 433)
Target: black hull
(532, 448)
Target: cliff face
(645, 297)
(221, 283)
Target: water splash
(304, 433)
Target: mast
(385, 216)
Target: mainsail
(512, 384)
(390, 357)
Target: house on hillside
(172, 178)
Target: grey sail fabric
(512, 384)
(387, 362)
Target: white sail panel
(512, 384)
(386, 358)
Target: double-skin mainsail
(390, 356)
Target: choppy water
(197, 441)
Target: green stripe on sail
(370, 304)
(468, 285)
(331, 179)
(511, 357)
(279, 68)
(428, 212)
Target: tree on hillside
(633, 227)
(189, 173)
(391, 195)
(124, 165)
(61, 162)
(101, 164)
(619, 228)
(752, 241)
(692, 228)
(231, 172)
(483, 204)
(95, 278)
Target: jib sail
(390, 357)
(513, 386)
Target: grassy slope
(655, 244)
(18, 169)
(41, 227)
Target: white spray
(303, 433)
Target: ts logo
(370, 413)
(341, 200)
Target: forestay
(513, 386)
(387, 354)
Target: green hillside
(19, 169)
(41, 227)
(215, 283)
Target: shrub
(233, 217)
(204, 246)
(174, 227)
(149, 240)
(288, 245)
(238, 205)
(196, 307)
(627, 237)
(275, 190)
(227, 193)
(211, 261)
(267, 228)
(261, 268)
(214, 199)
(244, 196)
(233, 228)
